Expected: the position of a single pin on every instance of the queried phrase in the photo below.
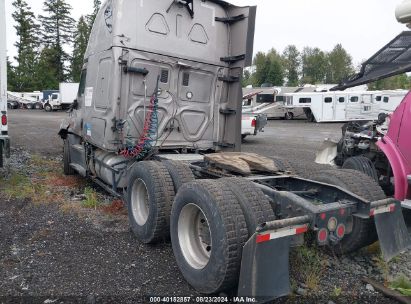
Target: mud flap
(265, 269)
(392, 233)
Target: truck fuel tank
(107, 165)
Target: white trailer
(338, 106)
(29, 100)
(64, 98)
(4, 133)
(271, 102)
(390, 100)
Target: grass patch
(91, 200)
(17, 186)
(403, 285)
(309, 265)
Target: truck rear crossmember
(302, 206)
(264, 270)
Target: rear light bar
(383, 209)
(289, 231)
(4, 119)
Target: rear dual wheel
(210, 222)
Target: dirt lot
(60, 245)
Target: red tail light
(254, 123)
(341, 231)
(322, 235)
(4, 120)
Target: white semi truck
(63, 99)
(4, 135)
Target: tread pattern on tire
(283, 165)
(255, 205)
(234, 223)
(164, 196)
(365, 187)
(180, 173)
(362, 164)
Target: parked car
(251, 124)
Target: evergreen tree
(92, 17)
(314, 66)
(291, 59)
(392, 83)
(11, 77)
(262, 67)
(47, 69)
(269, 69)
(27, 45)
(57, 34)
(80, 45)
(340, 65)
(275, 74)
(246, 80)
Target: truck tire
(362, 164)
(38, 106)
(208, 232)
(363, 232)
(48, 107)
(67, 169)
(283, 165)
(289, 116)
(255, 205)
(30, 106)
(180, 173)
(150, 194)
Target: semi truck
(63, 99)
(157, 121)
(4, 135)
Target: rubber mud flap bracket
(265, 269)
(392, 232)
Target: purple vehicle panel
(396, 145)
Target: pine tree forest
(51, 47)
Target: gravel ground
(58, 251)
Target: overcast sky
(362, 26)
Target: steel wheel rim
(139, 202)
(194, 236)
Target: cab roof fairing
(111, 30)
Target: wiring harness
(148, 136)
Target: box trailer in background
(342, 106)
(63, 99)
(4, 135)
(390, 100)
(336, 106)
